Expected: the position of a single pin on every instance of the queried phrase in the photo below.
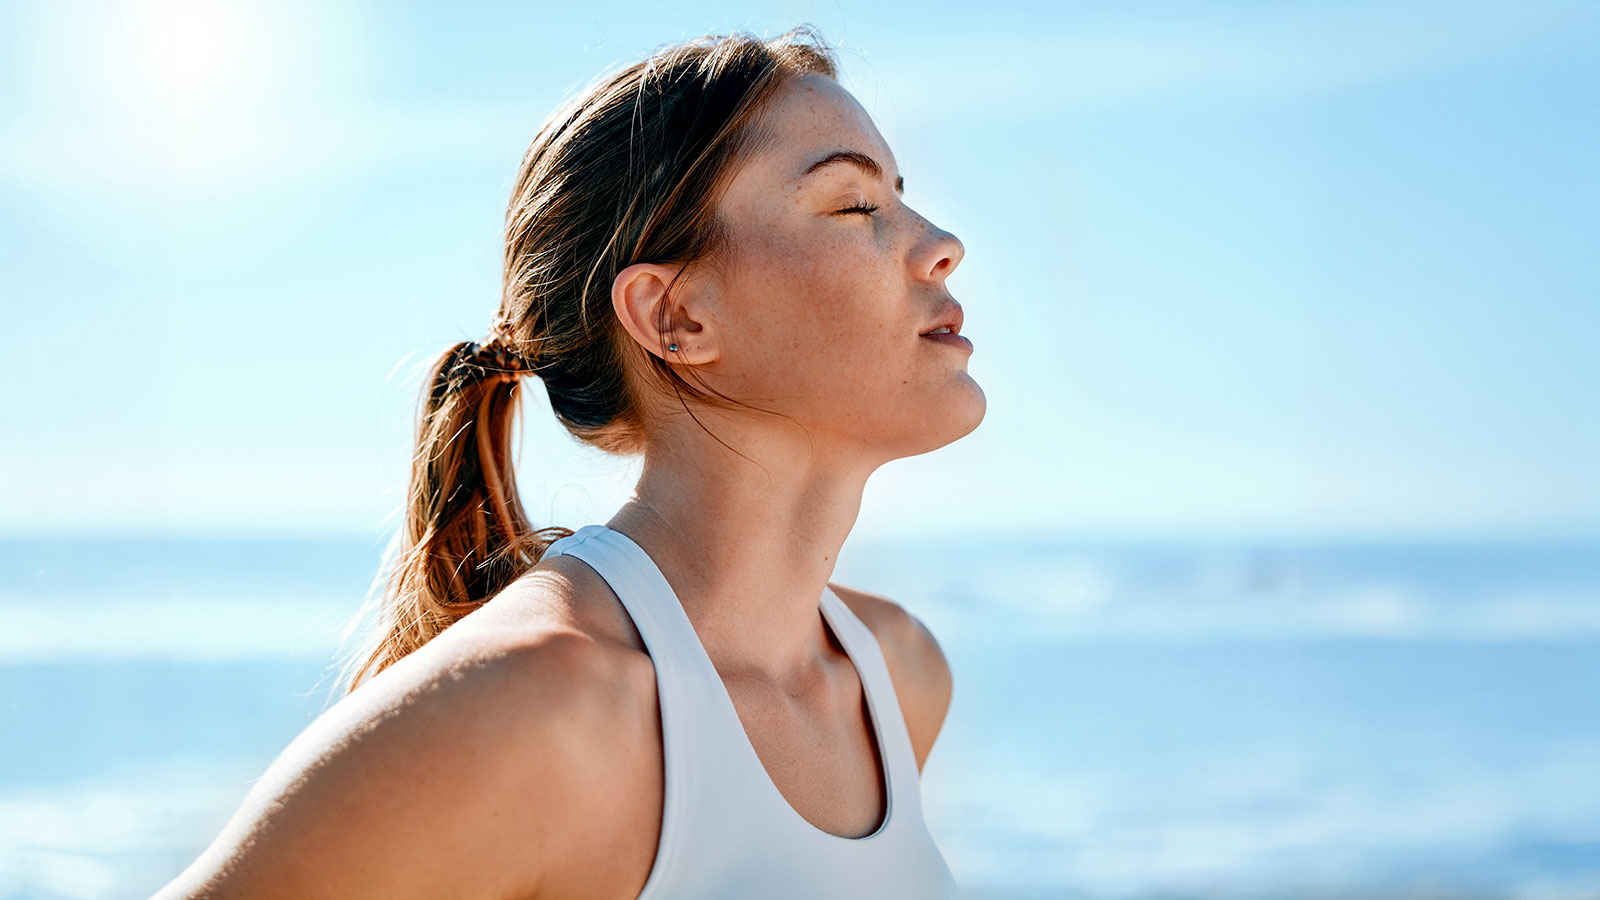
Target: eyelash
(859, 208)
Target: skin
(518, 754)
(817, 315)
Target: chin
(959, 414)
(974, 405)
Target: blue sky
(1230, 267)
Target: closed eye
(858, 208)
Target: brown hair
(627, 171)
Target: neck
(748, 546)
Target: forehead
(809, 117)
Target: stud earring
(672, 347)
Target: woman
(677, 703)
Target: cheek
(824, 315)
(816, 286)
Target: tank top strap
(679, 685)
(668, 634)
(640, 588)
(867, 654)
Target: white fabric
(726, 830)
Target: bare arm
(439, 777)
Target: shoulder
(492, 745)
(528, 737)
(916, 663)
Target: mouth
(947, 321)
(949, 338)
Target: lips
(953, 340)
(949, 316)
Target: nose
(944, 252)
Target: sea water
(1132, 718)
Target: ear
(639, 296)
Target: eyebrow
(861, 161)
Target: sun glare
(171, 92)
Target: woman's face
(818, 312)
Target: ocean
(1133, 718)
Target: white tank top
(726, 829)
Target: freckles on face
(808, 328)
(818, 308)
(822, 306)
(822, 284)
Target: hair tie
(492, 360)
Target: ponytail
(465, 535)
